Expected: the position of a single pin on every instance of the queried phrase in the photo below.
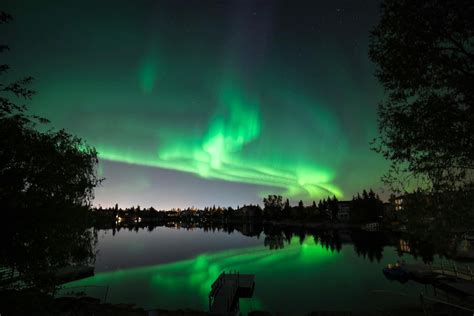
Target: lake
(296, 271)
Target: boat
(396, 272)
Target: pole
(422, 302)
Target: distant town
(364, 208)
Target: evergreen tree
(300, 205)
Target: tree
(424, 55)
(47, 179)
(39, 168)
(301, 205)
(286, 209)
(322, 211)
(323, 207)
(273, 201)
(333, 207)
(368, 208)
(273, 206)
(314, 211)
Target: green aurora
(314, 274)
(240, 96)
(187, 283)
(221, 149)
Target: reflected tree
(47, 179)
(38, 246)
(369, 244)
(274, 241)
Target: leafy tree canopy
(424, 53)
(39, 167)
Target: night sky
(194, 103)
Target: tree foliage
(273, 206)
(366, 208)
(47, 179)
(39, 166)
(424, 53)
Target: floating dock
(449, 277)
(431, 273)
(227, 290)
(461, 288)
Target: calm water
(174, 268)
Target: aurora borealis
(303, 276)
(207, 102)
(187, 282)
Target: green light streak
(148, 69)
(187, 283)
(151, 90)
(232, 148)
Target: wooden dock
(450, 277)
(459, 287)
(227, 290)
(453, 270)
(438, 271)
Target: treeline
(363, 208)
(366, 207)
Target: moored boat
(396, 272)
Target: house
(398, 201)
(344, 212)
(392, 210)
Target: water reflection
(186, 283)
(369, 245)
(321, 269)
(36, 244)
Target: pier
(453, 270)
(449, 277)
(227, 290)
(439, 271)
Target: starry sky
(194, 103)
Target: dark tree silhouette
(47, 179)
(273, 206)
(39, 168)
(425, 60)
(286, 212)
(333, 207)
(273, 201)
(367, 208)
(275, 241)
(300, 205)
